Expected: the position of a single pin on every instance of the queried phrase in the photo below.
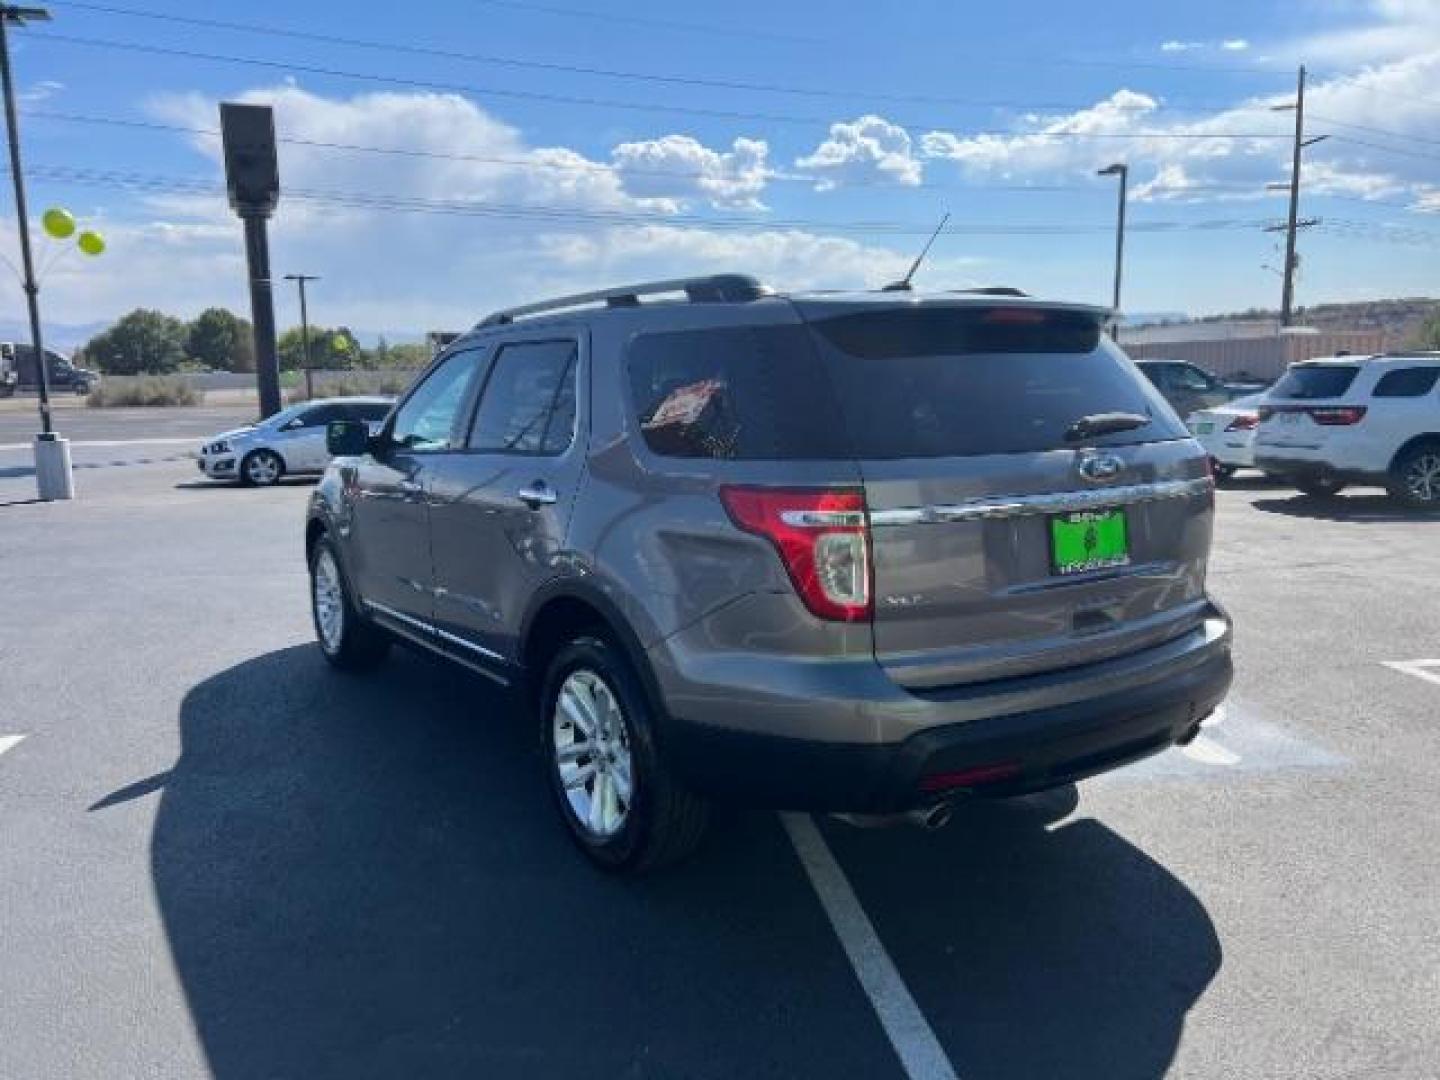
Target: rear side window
(1315, 381)
(370, 411)
(1407, 382)
(947, 382)
(737, 393)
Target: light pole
(301, 279)
(53, 477)
(1123, 172)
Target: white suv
(1362, 420)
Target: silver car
(867, 553)
(292, 442)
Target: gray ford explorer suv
(863, 553)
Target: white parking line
(1429, 670)
(9, 742)
(909, 1033)
(192, 440)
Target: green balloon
(58, 223)
(91, 243)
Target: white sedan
(290, 442)
(1227, 432)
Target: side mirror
(347, 438)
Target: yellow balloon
(340, 343)
(91, 243)
(58, 223)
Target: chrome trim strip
(823, 519)
(1061, 502)
(443, 635)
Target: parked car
(843, 552)
(291, 442)
(1185, 386)
(1227, 432)
(9, 373)
(63, 375)
(1356, 420)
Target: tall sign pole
(53, 477)
(1287, 297)
(252, 176)
(301, 279)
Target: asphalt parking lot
(219, 858)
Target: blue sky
(812, 143)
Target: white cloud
(1174, 46)
(43, 90)
(1235, 45)
(406, 272)
(865, 150)
(1390, 30)
(681, 168)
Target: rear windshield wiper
(1104, 423)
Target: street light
(53, 478)
(1123, 172)
(301, 279)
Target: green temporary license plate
(1088, 540)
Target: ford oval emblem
(1097, 468)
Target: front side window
(528, 406)
(427, 419)
(1407, 382)
(1184, 377)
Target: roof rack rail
(714, 288)
(992, 290)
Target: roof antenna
(903, 285)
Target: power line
(1375, 130)
(565, 99)
(1386, 149)
(202, 186)
(598, 167)
(432, 51)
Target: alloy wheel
(592, 753)
(329, 602)
(1422, 478)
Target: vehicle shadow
(231, 485)
(1358, 508)
(1037, 951)
(363, 877)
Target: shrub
(149, 391)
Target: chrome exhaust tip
(931, 817)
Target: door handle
(537, 495)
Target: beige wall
(1265, 357)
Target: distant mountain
(1399, 319)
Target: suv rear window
(742, 393)
(1311, 381)
(951, 381)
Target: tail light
(1338, 417)
(1244, 422)
(822, 536)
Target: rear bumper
(1291, 465)
(1104, 723)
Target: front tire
(261, 468)
(1415, 478)
(1320, 487)
(620, 800)
(347, 639)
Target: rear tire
(1415, 478)
(347, 639)
(621, 802)
(1320, 487)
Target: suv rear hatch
(1002, 544)
(1306, 406)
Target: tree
(1428, 336)
(144, 342)
(222, 341)
(330, 350)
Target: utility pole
(1123, 171)
(53, 477)
(1293, 223)
(301, 279)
